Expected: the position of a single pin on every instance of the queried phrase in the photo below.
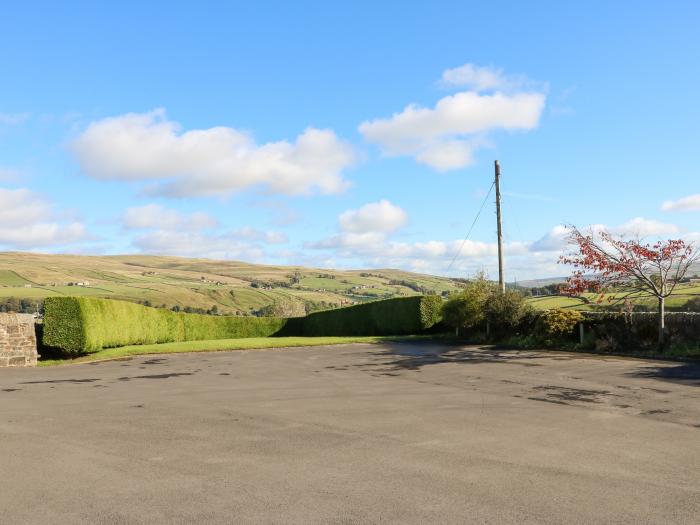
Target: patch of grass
(556, 301)
(12, 278)
(252, 343)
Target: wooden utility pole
(501, 276)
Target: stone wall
(17, 340)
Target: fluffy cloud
(640, 227)
(554, 240)
(197, 244)
(528, 259)
(382, 216)
(480, 78)
(170, 232)
(365, 233)
(557, 239)
(252, 234)
(378, 245)
(446, 136)
(214, 161)
(153, 216)
(27, 221)
(689, 203)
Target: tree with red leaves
(604, 263)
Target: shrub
(404, 315)
(558, 323)
(79, 324)
(506, 311)
(467, 308)
(639, 330)
(692, 305)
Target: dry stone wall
(17, 340)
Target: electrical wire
(471, 227)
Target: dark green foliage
(21, 305)
(693, 305)
(639, 330)
(63, 324)
(505, 312)
(404, 315)
(78, 325)
(467, 308)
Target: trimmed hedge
(640, 329)
(400, 316)
(80, 324)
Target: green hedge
(80, 324)
(640, 329)
(404, 315)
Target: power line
(471, 227)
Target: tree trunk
(662, 321)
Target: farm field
(680, 297)
(233, 287)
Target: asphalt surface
(401, 433)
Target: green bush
(639, 330)
(79, 324)
(559, 323)
(467, 308)
(400, 316)
(505, 311)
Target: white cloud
(382, 216)
(445, 137)
(524, 259)
(448, 155)
(154, 216)
(557, 239)
(253, 234)
(480, 78)
(196, 244)
(377, 245)
(689, 203)
(27, 221)
(365, 233)
(554, 240)
(375, 249)
(171, 232)
(644, 228)
(214, 161)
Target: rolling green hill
(681, 295)
(233, 287)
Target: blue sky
(356, 136)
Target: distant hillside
(537, 283)
(230, 286)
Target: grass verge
(252, 343)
